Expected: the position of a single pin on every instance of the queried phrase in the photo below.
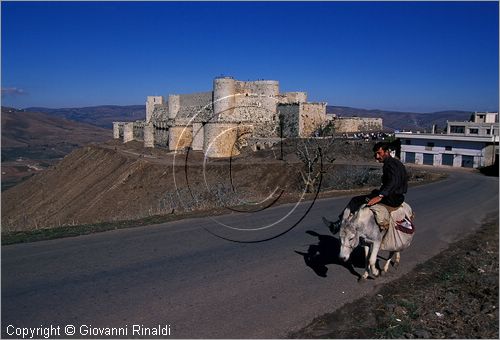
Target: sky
(399, 56)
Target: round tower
(220, 140)
(180, 137)
(268, 91)
(224, 97)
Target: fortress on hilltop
(219, 122)
(233, 115)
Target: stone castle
(222, 121)
(219, 122)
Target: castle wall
(198, 136)
(128, 132)
(180, 137)
(195, 107)
(311, 117)
(289, 120)
(253, 108)
(138, 130)
(295, 97)
(161, 135)
(268, 88)
(196, 99)
(149, 136)
(357, 124)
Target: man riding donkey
(390, 194)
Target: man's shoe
(333, 226)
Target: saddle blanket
(398, 225)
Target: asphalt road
(178, 274)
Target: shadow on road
(326, 251)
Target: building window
(408, 141)
(473, 131)
(448, 148)
(488, 131)
(457, 129)
(430, 144)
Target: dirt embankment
(117, 182)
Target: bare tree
(314, 153)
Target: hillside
(394, 120)
(115, 181)
(102, 116)
(32, 141)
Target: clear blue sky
(410, 56)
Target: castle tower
(220, 139)
(116, 130)
(128, 132)
(174, 105)
(151, 101)
(268, 90)
(224, 97)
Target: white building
(470, 144)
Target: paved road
(177, 274)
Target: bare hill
(103, 115)
(31, 141)
(116, 181)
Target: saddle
(386, 215)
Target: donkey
(362, 225)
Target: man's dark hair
(384, 145)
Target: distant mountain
(394, 120)
(102, 116)
(105, 115)
(32, 141)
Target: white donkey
(362, 226)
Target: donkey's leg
(397, 259)
(367, 252)
(388, 262)
(373, 258)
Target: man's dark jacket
(394, 182)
